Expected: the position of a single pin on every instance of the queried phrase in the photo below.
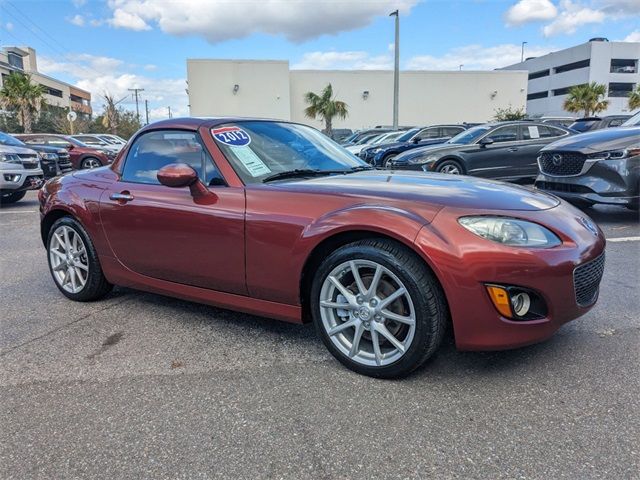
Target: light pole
(461, 65)
(396, 69)
(135, 92)
(522, 53)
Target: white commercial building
(614, 64)
(269, 89)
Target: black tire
(7, 198)
(89, 162)
(450, 164)
(97, 285)
(386, 161)
(430, 306)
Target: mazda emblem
(557, 159)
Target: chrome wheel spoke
(58, 254)
(376, 347)
(355, 344)
(342, 289)
(384, 331)
(342, 326)
(397, 318)
(328, 304)
(356, 276)
(59, 267)
(373, 288)
(391, 298)
(72, 275)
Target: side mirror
(70, 146)
(416, 140)
(485, 141)
(180, 175)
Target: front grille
(586, 281)
(30, 165)
(28, 157)
(563, 187)
(561, 164)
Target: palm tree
(587, 98)
(111, 114)
(634, 98)
(325, 107)
(19, 94)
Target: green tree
(634, 98)
(325, 107)
(509, 113)
(587, 98)
(22, 96)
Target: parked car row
(26, 160)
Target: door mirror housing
(177, 175)
(416, 140)
(485, 141)
(69, 146)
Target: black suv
(53, 160)
(594, 167)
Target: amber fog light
(517, 303)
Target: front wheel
(73, 262)
(12, 197)
(90, 162)
(451, 167)
(378, 308)
(387, 162)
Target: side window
(154, 150)
(550, 132)
(56, 141)
(504, 134)
(616, 122)
(451, 131)
(33, 140)
(429, 133)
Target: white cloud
(526, 11)
(476, 57)
(572, 16)
(79, 3)
(77, 20)
(9, 26)
(619, 8)
(354, 60)
(633, 37)
(220, 20)
(100, 75)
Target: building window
(540, 74)
(563, 91)
(620, 89)
(535, 96)
(572, 66)
(621, 65)
(15, 60)
(52, 91)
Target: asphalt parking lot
(143, 386)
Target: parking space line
(18, 211)
(623, 239)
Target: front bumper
(615, 182)
(19, 180)
(465, 263)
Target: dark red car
(275, 219)
(82, 156)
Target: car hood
(598, 140)
(376, 186)
(430, 149)
(17, 150)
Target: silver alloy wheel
(367, 312)
(91, 162)
(68, 259)
(451, 169)
(388, 161)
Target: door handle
(513, 149)
(122, 197)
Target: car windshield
(582, 126)
(6, 139)
(633, 121)
(407, 135)
(386, 138)
(259, 149)
(469, 136)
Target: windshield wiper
(304, 172)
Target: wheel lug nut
(373, 302)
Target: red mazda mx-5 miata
(274, 219)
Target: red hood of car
(433, 188)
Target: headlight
(631, 151)
(510, 231)
(10, 158)
(47, 156)
(375, 150)
(418, 160)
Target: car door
(165, 233)
(534, 137)
(494, 160)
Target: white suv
(17, 175)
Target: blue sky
(118, 44)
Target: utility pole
(135, 93)
(146, 109)
(461, 65)
(522, 53)
(169, 110)
(396, 69)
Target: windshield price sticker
(232, 136)
(533, 132)
(252, 162)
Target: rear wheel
(387, 161)
(73, 262)
(12, 197)
(378, 308)
(90, 162)
(451, 167)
